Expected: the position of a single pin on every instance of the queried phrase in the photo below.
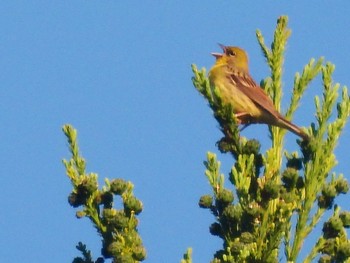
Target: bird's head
(233, 56)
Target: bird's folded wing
(248, 87)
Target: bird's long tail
(283, 123)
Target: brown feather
(248, 86)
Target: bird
(250, 104)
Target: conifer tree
(273, 200)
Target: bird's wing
(248, 86)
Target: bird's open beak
(219, 55)
(223, 47)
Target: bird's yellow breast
(230, 94)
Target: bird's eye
(231, 53)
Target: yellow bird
(230, 75)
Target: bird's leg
(244, 118)
(244, 126)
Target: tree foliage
(117, 227)
(269, 196)
(274, 199)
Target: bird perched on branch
(230, 75)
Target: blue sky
(120, 74)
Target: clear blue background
(119, 71)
